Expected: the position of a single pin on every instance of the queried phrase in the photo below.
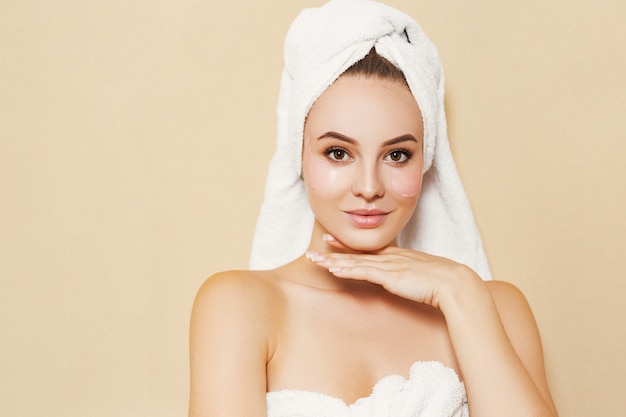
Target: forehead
(365, 108)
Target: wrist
(465, 291)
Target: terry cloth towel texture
(432, 390)
(320, 45)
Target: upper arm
(521, 329)
(229, 347)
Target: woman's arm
(499, 350)
(229, 345)
(491, 327)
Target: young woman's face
(362, 160)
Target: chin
(365, 243)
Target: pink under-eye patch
(320, 174)
(406, 182)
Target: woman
(383, 311)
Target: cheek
(318, 173)
(406, 182)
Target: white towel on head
(320, 45)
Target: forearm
(496, 379)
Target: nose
(368, 183)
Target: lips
(367, 218)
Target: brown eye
(337, 154)
(395, 156)
(399, 156)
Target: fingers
(414, 275)
(344, 260)
(333, 242)
(395, 275)
(362, 273)
(375, 268)
(357, 267)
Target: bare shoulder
(232, 336)
(511, 303)
(505, 292)
(249, 298)
(515, 313)
(522, 330)
(239, 288)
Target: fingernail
(314, 257)
(334, 269)
(328, 238)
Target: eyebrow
(342, 137)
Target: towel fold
(432, 390)
(320, 45)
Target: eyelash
(405, 153)
(330, 153)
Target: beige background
(135, 137)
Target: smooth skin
(356, 308)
